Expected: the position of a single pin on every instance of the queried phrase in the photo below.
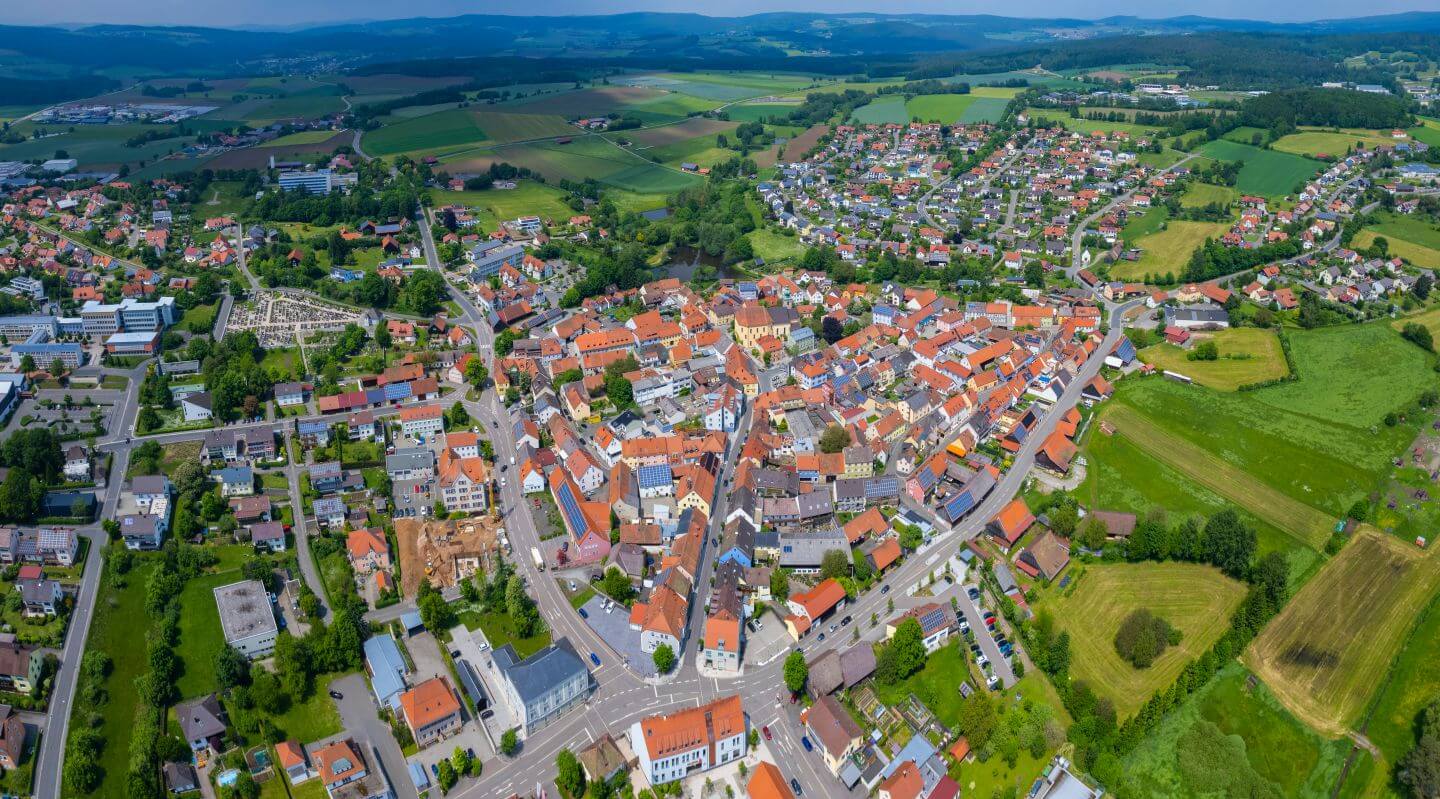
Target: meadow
(1201, 194)
(757, 112)
(528, 197)
(1413, 239)
(91, 145)
(889, 108)
(303, 137)
(1315, 142)
(458, 126)
(1195, 599)
(1414, 683)
(1314, 655)
(505, 127)
(1060, 117)
(1247, 355)
(1165, 251)
(1266, 172)
(774, 246)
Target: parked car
(805, 742)
(336, 695)
(974, 593)
(1006, 649)
(821, 638)
(993, 683)
(982, 660)
(844, 621)
(583, 614)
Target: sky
(248, 13)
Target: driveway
(976, 618)
(425, 651)
(358, 718)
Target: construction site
(445, 551)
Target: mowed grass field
(1324, 655)
(1333, 143)
(889, 108)
(1309, 526)
(91, 145)
(1195, 599)
(1415, 240)
(1058, 117)
(1202, 194)
(457, 126)
(1266, 172)
(528, 197)
(1247, 355)
(585, 157)
(1167, 250)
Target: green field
(1201, 194)
(1332, 143)
(773, 246)
(302, 137)
(1195, 599)
(528, 197)
(499, 630)
(91, 145)
(937, 684)
(1164, 251)
(503, 127)
(1428, 131)
(1267, 172)
(946, 109)
(1264, 742)
(758, 111)
(115, 632)
(890, 108)
(1311, 655)
(1247, 355)
(1060, 117)
(1409, 237)
(201, 638)
(1414, 683)
(585, 157)
(445, 129)
(985, 108)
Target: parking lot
(412, 497)
(769, 642)
(614, 629)
(976, 619)
(483, 668)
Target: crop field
(1415, 240)
(1202, 194)
(1245, 134)
(1326, 142)
(1197, 600)
(1323, 656)
(700, 150)
(302, 137)
(259, 157)
(585, 157)
(890, 108)
(1167, 250)
(946, 109)
(1261, 742)
(710, 91)
(1247, 355)
(299, 106)
(504, 127)
(598, 101)
(444, 129)
(799, 145)
(756, 112)
(985, 109)
(681, 131)
(92, 145)
(1308, 525)
(1034, 77)
(1266, 172)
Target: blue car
(805, 742)
(583, 614)
(594, 658)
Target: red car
(766, 730)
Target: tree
(435, 612)
(1142, 637)
(461, 760)
(831, 330)
(1091, 533)
(27, 364)
(834, 564)
(19, 496)
(664, 658)
(509, 742)
(834, 439)
(903, 655)
(977, 719)
(1419, 335)
(1419, 769)
(570, 778)
(1423, 286)
(475, 372)
(445, 773)
(797, 671)
(231, 668)
(382, 336)
(1229, 543)
(1204, 351)
(57, 367)
(780, 585)
(617, 586)
(1063, 518)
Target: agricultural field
(802, 143)
(1413, 239)
(1316, 142)
(1414, 683)
(444, 129)
(946, 109)
(1200, 194)
(1313, 655)
(92, 145)
(758, 112)
(585, 157)
(1246, 134)
(1247, 355)
(302, 137)
(1060, 117)
(1428, 131)
(1244, 723)
(890, 108)
(1266, 172)
(1196, 600)
(1165, 250)
(985, 109)
(505, 127)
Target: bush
(1143, 636)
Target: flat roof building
(246, 618)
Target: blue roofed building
(386, 667)
(655, 481)
(542, 687)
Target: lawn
(201, 638)
(1314, 142)
(946, 109)
(890, 108)
(459, 126)
(282, 361)
(1414, 683)
(937, 684)
(200, 318)
(1314, 655)
(1168, 250)
(1266, 742)
(499, 630)
(1202, 194)
(1247, 355)
(1266, 172)
(1195, 599)
(117, 629)
(1411, 238)
(773, 246)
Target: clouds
(211, 13)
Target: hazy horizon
(290, 13)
